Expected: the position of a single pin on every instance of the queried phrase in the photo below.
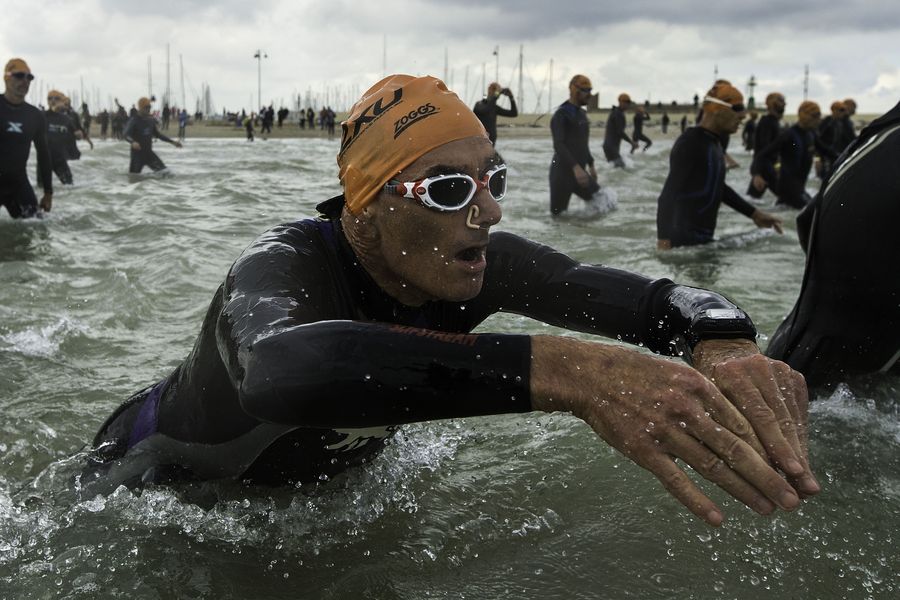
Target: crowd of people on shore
(329, 332)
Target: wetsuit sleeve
(537, 281)
(620, 128)
(558, 128)
(44, 165)
(161, 136)
(764, 158)
(295, 357)
(127, 133)
(734, 200)
(512, 111)
(680, 169)
(824, 150)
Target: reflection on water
(106, 295)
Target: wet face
(423, 254)
(726, 120)
(809, 120)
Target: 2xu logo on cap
(371, 113)
(413, 117)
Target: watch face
(724, 313)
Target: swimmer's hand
(759, 183)
(657, 411)
(177, 144)
(730, 163)
(135, 146)
(663, 244)
(771, 396)
(581, 176)
(764, 220)
(46, 202)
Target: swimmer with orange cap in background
(328, 333)
(794, 149)
(688, 206)
(767, 130)
(22, 125)
(615, 131)
(60, 135)
(139, 132)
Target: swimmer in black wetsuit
(749, 130)
(487, 110)
(767, 130)
(60, 134)
(688, 206)
(21, 124)
(329, 332)
(846, 320)
(793, 148)
(638, 134)
(139, 132)
(572, 168)
(615, 132)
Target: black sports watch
(720, 323)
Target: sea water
(106, 295)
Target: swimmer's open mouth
(471, 254)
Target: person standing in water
(139, 132)
(615, 132)
(22, 125)
(487, 109)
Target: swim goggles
(450, 192)
(21, 75)
(739, 107)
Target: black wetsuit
(847, 318)
(570, 129)
(142, 130)
(303, 365)
(688, 207)
(615, 133)
(767, 130)
(487, 111)
(60, 135)
(793, 148)
(72, 144)
(846, 133)
(20, 125)
(638, 133)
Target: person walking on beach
(328, 333)
(183, 119)
(767, 130)
(103, 118)
(572, 168)
(487, 110)
(793, 149)
(615, 132)
(22, 125)
(640, 117)
(688, 206)
(139, 132)
(664, 122)
(248, 127)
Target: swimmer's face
(17, 85)
(432, 255)
(727, 121)
(809, 121)
(777, 104)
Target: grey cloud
(529, 19)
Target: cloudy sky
(332, 50)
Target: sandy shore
(530, 125)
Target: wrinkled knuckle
(675, 482)
(714, 467)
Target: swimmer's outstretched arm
(656, 412)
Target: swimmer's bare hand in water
(135, 146)
(759, 183)
(771, 396)
(581, 176)
(656, 411)
(765, 220)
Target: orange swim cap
(725, 92)
(624, 98)
(809, 109)
(771, 98)
(55, 94)
(837, 105)
(397, 120)
(16, 65)
(142, 102)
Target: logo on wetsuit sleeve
(377, 109)
(413, 117)
(15, 128)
